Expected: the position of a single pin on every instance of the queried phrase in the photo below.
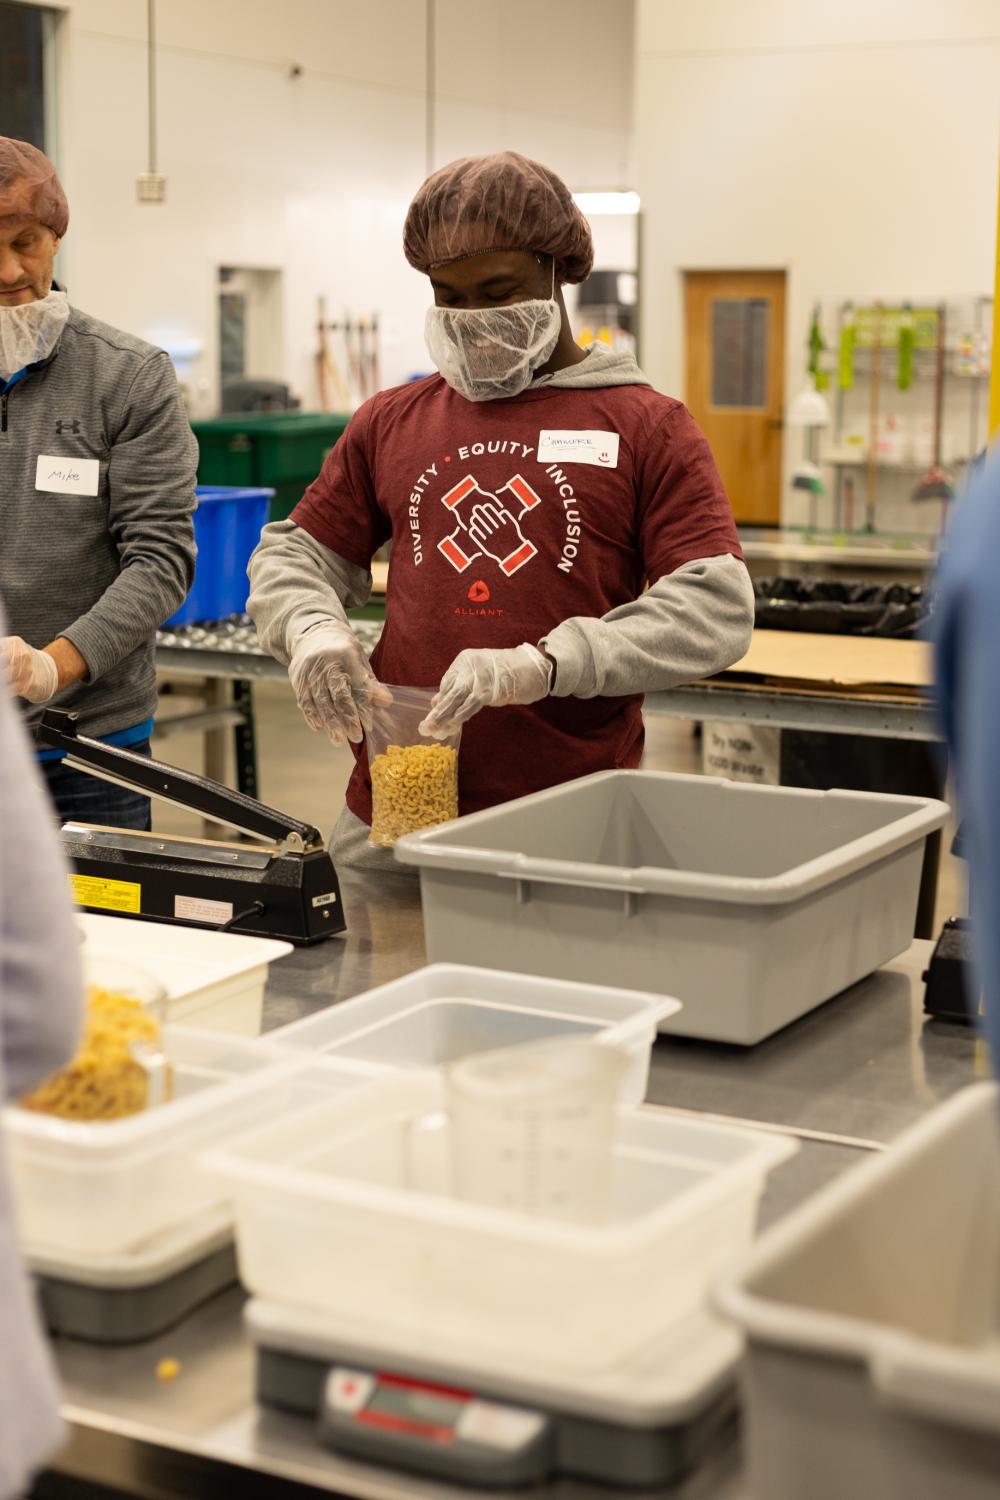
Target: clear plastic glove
(487, 679)
(333, 682)
(31, 674)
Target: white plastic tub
(751, 904)
(212, 979)
(445, 1012)
(346, 1209)
(873, 1322)
(86, 1188)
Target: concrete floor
(302, 773)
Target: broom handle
(939, 388)
(376, 380)
(321, 357)
(872, 487)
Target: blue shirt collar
(5, 385)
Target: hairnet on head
(499, 202)
(29, 187)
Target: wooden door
(734, 381)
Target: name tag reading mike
(57, 475)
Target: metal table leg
(224, 708)
(216, 697)
(245, 738)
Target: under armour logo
(72, 425)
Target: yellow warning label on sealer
(105, 895)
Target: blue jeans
(80, 798)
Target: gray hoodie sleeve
(689, 624)
(151, 480)
(40, 1013)
(40, 992)
(295, 583)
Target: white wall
(853, 144)
(312, 174)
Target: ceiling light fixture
(607, 203)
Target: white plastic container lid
(189, 962)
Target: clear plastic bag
(414, 779)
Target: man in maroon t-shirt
(562, 542)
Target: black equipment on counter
(286, 888)
(950, 986)
(949, 993)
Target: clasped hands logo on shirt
(491, 530)
(495, 532)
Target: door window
(739, 351)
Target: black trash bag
(829, 606)
(860, 763)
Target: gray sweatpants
(350, 849)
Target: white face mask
(487, 353)
(31, 332)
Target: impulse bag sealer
(283, 886)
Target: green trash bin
(283, 451)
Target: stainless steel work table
(718, 698)
(845, 1079)
(770, 551)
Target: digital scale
(439, 1411)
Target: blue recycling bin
(227, 527)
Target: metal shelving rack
(837, 455)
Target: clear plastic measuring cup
(533, 1128)
(103, 971)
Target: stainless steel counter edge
(859, 1069)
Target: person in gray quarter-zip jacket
(40, 1016)
(97, 477)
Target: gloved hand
(31, 674)
(487, 679)
(333, 682)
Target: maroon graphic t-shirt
(506, 518)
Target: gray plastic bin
(749, 904)
(872, 1315)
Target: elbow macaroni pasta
(105, 1080)
(413, 787)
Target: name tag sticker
(57, 475)
(578, 447)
